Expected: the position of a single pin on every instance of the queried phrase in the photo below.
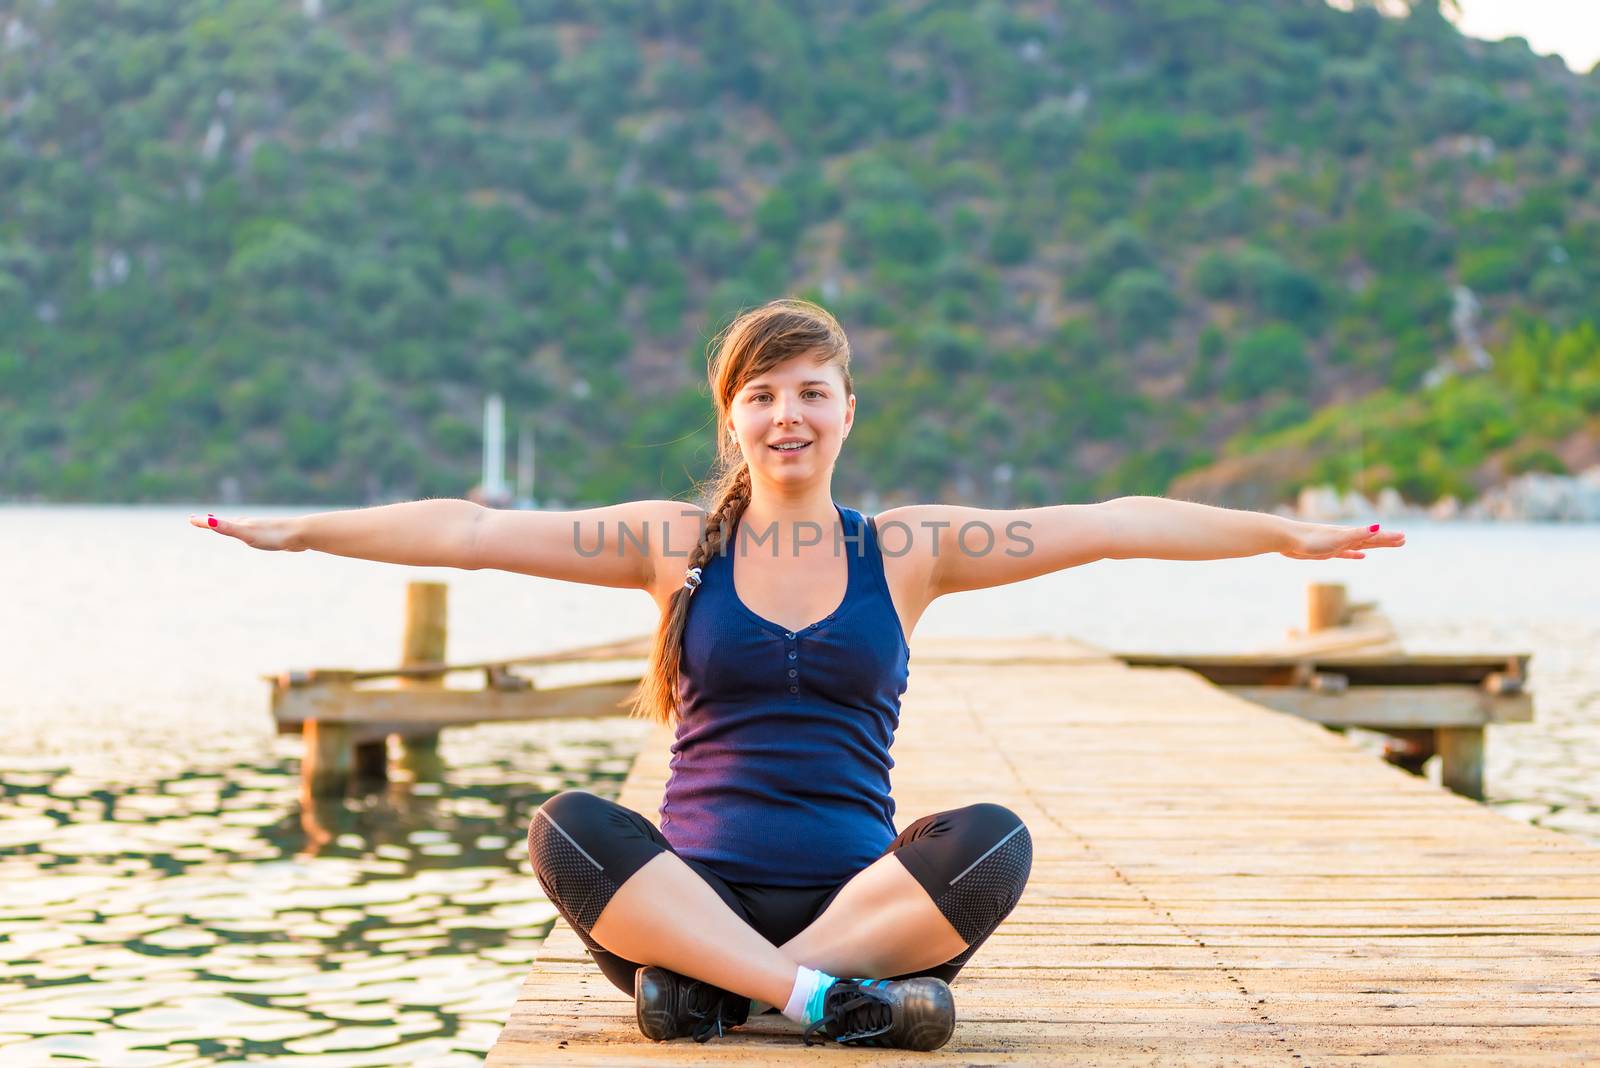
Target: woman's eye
(758, 397)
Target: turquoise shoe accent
(816, 1003)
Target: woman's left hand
(1323, 541)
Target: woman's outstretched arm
(1161, 529)
(973, 548)
(431, 533)
(618, 545)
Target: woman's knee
(555, 840)
(579, 851)
(560, 825)
(575, 806)
(989, 885)
(987, 819)
(583, 847)
(571, 802)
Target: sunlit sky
(1570, 28)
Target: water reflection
(209, 917)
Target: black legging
(972, 861)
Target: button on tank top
(780, 768)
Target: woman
(777, 870)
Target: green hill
(1082, 248)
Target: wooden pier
(348, 717)
(1346, 669)
(1214, 882)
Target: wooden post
(371, 762)
(325, 757)
(1326, 605)
(1461, 757)
(427, 634)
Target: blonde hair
(752, 344)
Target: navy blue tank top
(780, 767)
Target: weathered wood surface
(1214, 883)
(1427, 704)
(1399, 707)
(1366, 630)
(625, 649)
(1364, 669)
(443, 708)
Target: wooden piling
(1327, 605)
(425, 641)
(325, 762)
(1461, 759)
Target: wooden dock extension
(1214, 882)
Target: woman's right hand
(270, 534)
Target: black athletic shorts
(973, 862)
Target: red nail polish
(211, 519)
(1373, 529)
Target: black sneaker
(906, 1014)
(669, 1005)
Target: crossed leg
(633, 901)
(938, 891)
(667, 915)
(924, 907)
(881, 923)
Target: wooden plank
(1214, 882)
(634, 648)
(1408, 669)
(442, 708)
(1400, 707)
(962, 650)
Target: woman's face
(799, 400)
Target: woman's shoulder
(673, 530)
(920, 518)
(923, 535)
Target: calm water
(166, 899)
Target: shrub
(1141, 303)
(1493, 270)
(1273, 357)
(1116, 248)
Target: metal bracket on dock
(499, 677)
(1328, 683)
(1503, 683)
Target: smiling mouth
(802, 448)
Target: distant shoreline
(1531, 498)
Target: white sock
(805, 1000)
